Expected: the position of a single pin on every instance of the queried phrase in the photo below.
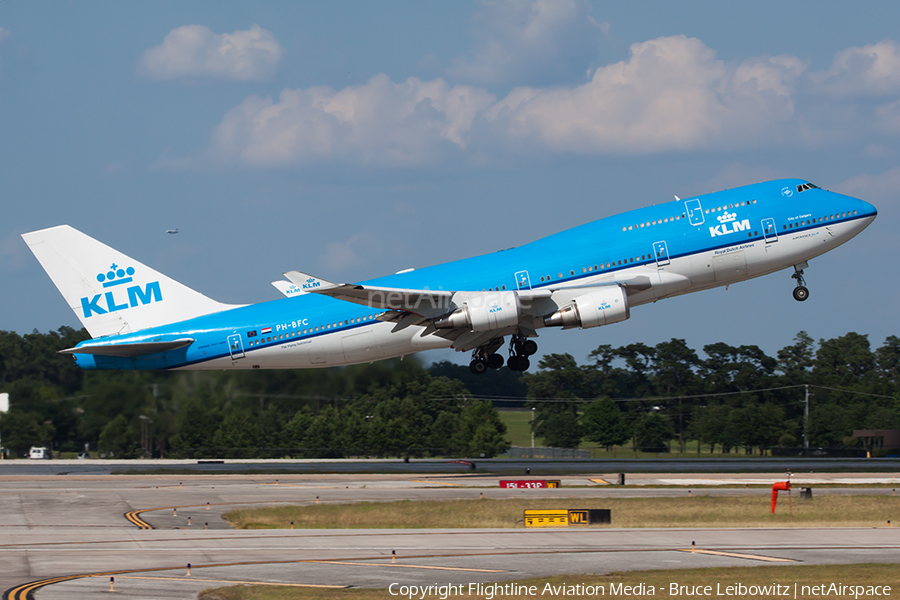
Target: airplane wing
(445, 313)
(129, 350)
(425, 303)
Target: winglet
(287, 288)
(308, 283)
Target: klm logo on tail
(131, 297)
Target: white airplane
(588, 276)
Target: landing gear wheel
(800, 293)
(529, 347)
(518, 363)
(494, 361)
(478, 366)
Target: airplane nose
(868, 209)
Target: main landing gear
(801, 293)
(486, 357)
(520, 348)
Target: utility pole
(146, 439)
(532, 432)
(806, 420)
(4, 407)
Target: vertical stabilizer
(110, 292)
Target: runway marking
(738, 555)
(189, 579)
(310, 487)
(429, 481)
(133, 515)
(26, 591)
(601, 481)
(402, 566)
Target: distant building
(874, 439)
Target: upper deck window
(806, 186)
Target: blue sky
(355, 139)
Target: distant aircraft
(585, 277)
(171, 231)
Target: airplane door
(769, 230)
(694, 212)
(661, 252)
(523, 282)
(235, 346)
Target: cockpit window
(806, 186)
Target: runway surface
(71, 533)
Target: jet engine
(605, 306)
(484, 312)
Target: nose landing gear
(800, 292)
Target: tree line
(653, 397)
(389, 408)
(731, 396)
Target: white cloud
(379, 123)
(872, 70)
(195, 51)
(670, 94)
(530, 42)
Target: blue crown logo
(115, 276)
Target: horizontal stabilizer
(130, 350)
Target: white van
(39, 453)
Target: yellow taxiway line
(737, 555)
(233, 582)
(393, 564)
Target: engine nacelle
(484, 312)
(603, 307)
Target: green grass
(518, 432)
(805, 575)
(518, 427)
(751, 510)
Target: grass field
(518, 427)
(752, 510)
(661, 580)
(518, 432)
